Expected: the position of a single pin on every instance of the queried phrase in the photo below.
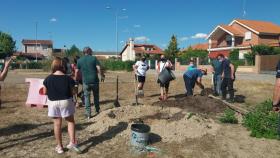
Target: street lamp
(36, 52)
(116, 16)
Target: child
(58, 87)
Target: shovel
(116, 102)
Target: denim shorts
(61, 108)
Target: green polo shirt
(87, 65)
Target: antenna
(244, 8)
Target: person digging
(140, 69)
(192, 77)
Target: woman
(59, 88)
(164, 63)
(78, 81)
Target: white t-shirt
(164, 64)
(142, 67)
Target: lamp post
(36, 52)
(116, 16)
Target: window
(44, 47)
(228, 40)
(248, 35)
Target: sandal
(276, 107)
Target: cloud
(183, 39)
(53, 20)
(199, 35)
(141, 39)
(136, 26)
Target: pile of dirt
(195, 104)
(170, 121)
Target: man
(276, 93)
(191, 65)
(140, 68)
(4, 72)
(217, 75)
(89, 66)
(192, 77)
(227, 78)
(164, 63)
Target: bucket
(166, 76)
(139, 135)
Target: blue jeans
(189, 85)
(87, 91)
(217, 84)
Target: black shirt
(278, 70)
(59, 87)
(226, 68)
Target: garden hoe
(116, 102)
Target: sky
(93, 22)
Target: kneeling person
(140, 68)
(193, 76)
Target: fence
(266, 63)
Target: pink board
(34, 98)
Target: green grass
(228, 117)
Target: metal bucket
(139, 135)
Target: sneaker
(74, 147)
(59, 149)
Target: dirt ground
(180, 127)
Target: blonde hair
(58, 65)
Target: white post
(149, 63)
(232, 41)
(156, 64)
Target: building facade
(43, 47)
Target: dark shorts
(166, 85)
(141, 79)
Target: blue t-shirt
(278, 70)
(193, 74)
(191, 67)
(217, 65)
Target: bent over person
(192, 77)
(89, 66)
(140, 68)
(276, 93)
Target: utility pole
(36, 50)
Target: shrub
(229, 117)
(116, 65)
(262, 121)
(234, 55)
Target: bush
(234, 55)
(116, 65)
(229, 117)
(263, 122)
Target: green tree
(73, 51)
(7, 45)
(234, 55)
(172, 50)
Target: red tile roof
(46, 42)
(261, 26)
(200, 46)
(142, 48)
(232, 30)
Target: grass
(229, 117)
(263, 122)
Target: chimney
(131, 49)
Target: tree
(73, 51)
(172, 50)
(7, 45)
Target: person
(164, 63)
(276, 93)
(140, 69)
(4, 73)
(192, 77)
(68, 66)
(89, 66)
(191, 65)
(59, 87)
(217, 75)
(78, 81)
(227, 78)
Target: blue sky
(89, 23)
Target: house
(131, 50)
(199, 46)
(105, 55)
(242, 35)
(43, 47)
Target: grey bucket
(166, 75)
(139, 135)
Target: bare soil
(180, 127)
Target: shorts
(141, 79)
(166, 85)
(61, 108)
